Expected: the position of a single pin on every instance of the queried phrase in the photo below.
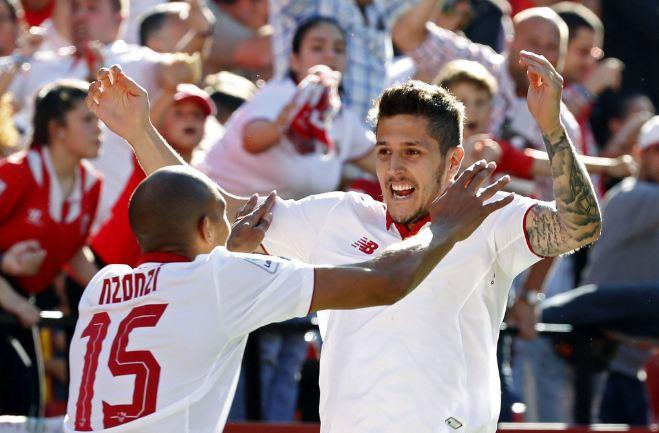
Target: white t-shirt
(115, 158)
(159, 347)
(430, 359)
(281, 167)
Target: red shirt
(115, 242)
(32, 207)
(514, 161)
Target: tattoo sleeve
(575, 221)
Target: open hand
(121, 103)
(251, 224)
(23, 259)
(462, 208)
(545, 89)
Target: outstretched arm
(574, 219)
(123, 105)
(399, 269)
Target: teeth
(402, 187)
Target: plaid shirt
(369, 42)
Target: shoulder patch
(267, 265)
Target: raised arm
(410, 31)
(574, 219)
(123, 105)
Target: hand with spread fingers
(119, 102)
(462, 207)
(251, 224)
(545, 90)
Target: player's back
(158, 348)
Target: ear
(206, 230)
(54, 129)
(454, 158)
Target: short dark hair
(577, 16)
(155, 18)
(53, 102)
(443, 111)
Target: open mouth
(190, 131)
(402, 190)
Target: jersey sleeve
(509, 238)
(255, 290)
(296, 225)
(13, 185)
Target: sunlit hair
(442, 110)
(577, 16)
(461, 71)
(52, 103)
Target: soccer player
(426, 363)
(158, 347)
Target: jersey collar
(156, 257)
(402, 228)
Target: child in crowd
(181, 122)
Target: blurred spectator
(177, 27)
(269, 130)
(228, 91)
(11, 14)
(369, 53)
(49, 199)
(585, 78)
(241, 40)
(629, 257)
(95, 26)
(136, 11)
(620, 119)
(490, 24)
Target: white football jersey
(428, 362)
(158, 348)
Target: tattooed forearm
(576, 220)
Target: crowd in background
(275, 94)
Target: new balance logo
(365, 246)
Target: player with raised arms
(158, 348)
(426, 363)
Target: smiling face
(410, 166)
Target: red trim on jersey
(265, 250)
(402, 228)
(157, 257)
(313, 292)
(526, 233)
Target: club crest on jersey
(266, 265)
(365, 245)
(453, 423)
(34, 216)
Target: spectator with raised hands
(295, 133)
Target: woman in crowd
(48, 199)
(289, 136)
